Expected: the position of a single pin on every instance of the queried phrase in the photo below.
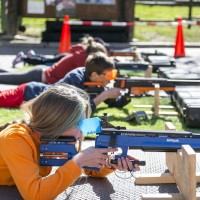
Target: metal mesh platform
(115, 186)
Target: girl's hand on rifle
(93, 157)
(124, 164)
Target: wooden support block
(132, 54)
(148, 72)
(173, 113)
(185, 172)
(164, 196)
(156, 100)
(169, 126)
(156, 178)
(151, 106)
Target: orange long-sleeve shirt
(19, 165)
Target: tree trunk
(11, 13)
(129, 13)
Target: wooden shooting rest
(182, 171)
(156, 107)
(132, 54)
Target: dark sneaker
(3, 70)
(30, 53)
(19, 58)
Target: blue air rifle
(59, 151)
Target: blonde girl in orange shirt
(55, 112)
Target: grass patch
(165, 33)
(116, 115)
(8, 115)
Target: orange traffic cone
(65, 38)
(179, 46)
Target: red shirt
(75, 59)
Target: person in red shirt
(58, 111)
(98, 68)
(58, 70)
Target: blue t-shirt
(33, 89)
(75, 77)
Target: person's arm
(21, 157)
(107, 94)
(122, 165)
(119, 102)
(74, 78)
(112, 97)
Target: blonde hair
(57, 109)
(92, 46)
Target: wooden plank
(155, 178)
(174, 113)
(151, 106)
(185, 172)
(170, 156)
(148, 72)
(171, 196)
(169, 126)
(156, 100)
(170, 160)
(166, 196)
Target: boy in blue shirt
(98, 68)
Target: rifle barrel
(184, 82)
(150, 133)
(148, 82)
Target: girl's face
(74, 132)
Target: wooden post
(156, 100)
(190, 12)
(148, 72)
(10, 16)
(3, 16)
(129, 13)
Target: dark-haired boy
(98, 68)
